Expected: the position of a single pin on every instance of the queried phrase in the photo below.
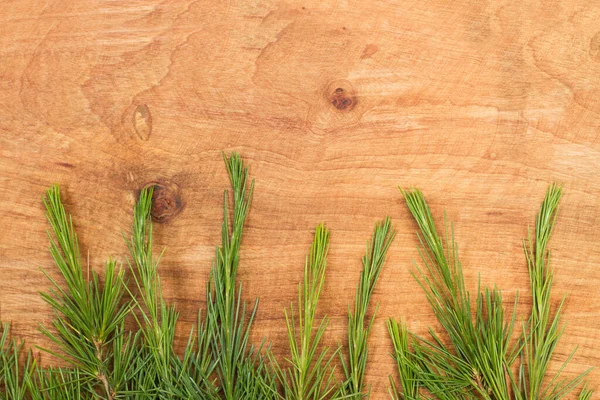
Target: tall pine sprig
(544, 328)
(240, 367)
(167, 375)
(359, 326)
(310, 375)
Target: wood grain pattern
(334, 104)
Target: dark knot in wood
(167, 200)
(342, 99)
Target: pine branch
(544, 329)
(227, 315)
(87, 311)
(311, 375)
(186, 378)
(477, 363)
(155, 315)
(358, 325)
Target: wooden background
(333, 104)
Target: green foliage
(163, 373)
(107, 361)
(544, 330)
(87, 312)
(59, 384)
(116, 331)
(241, 370)
(358, 325)
(405, 362)
(477, 360)
(310, 374)
(14, 377)
(586, 393)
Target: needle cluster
(480, 356)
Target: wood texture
(334, 104)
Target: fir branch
(311, 375)
(358, 325)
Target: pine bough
(482, 357)
(107, 359)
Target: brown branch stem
(104, 381)
(101, 375)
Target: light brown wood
(333, 104)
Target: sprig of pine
(172, 377)
(89, 324)
(240, 367)
(359, 326)
(88, 312)
(311, 374)
(544, 330)
(14, 377)
(477, 363)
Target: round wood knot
(342, 97)
(167, 201)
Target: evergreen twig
(174, 377)
(240, 367)
(477, 363)
(311, 374)
(87, 312)
(359, 326)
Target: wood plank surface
(333, 104)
